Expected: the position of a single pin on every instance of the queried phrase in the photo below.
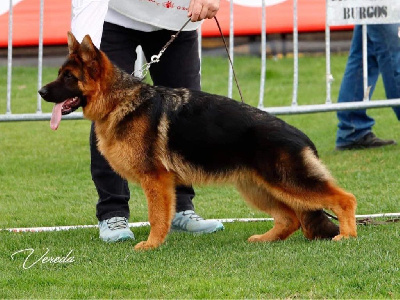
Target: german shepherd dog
(163, 137)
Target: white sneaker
(189, 221)
(115, 229)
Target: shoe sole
(121, 238)
(175, 229)
(344, 148)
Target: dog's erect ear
(88, 49)
(73, 44)
(90, 56)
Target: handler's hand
(203, 9)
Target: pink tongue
(56, 116)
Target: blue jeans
(383, 44)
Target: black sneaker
(370, 140)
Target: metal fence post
(9, 58)
(40, 58)
(365, 62)
(231, 44)
(295, 55)
(329, 77)
(263, 55)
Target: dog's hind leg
(344, 205)
(285, 224)
(309, 187)
(285, 219)
(159, 189)
(327, 194)
(331, 197)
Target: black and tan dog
(161, 137)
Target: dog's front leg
(159, 189)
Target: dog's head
(77, 81)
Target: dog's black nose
(43, 92)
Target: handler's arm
(88, 18)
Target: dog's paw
(340, 237)
(256, 238)
(144, 246)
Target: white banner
(256, 3)
(347, 12)
(5, 5)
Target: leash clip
(156, 58)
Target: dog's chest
(127, 154)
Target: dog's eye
(68, 75)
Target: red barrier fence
(247, 18)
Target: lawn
(45, 181)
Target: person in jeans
(128, 24)
(355, 126)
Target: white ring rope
(142, 224)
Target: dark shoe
(370, 140)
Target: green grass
(215, 266)
(45, 181)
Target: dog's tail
(316, 225)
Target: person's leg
(179, 66)
(113, 191)
(112, 207)
(355, 126)
(385, 39)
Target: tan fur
(285, 220)
(315, 165)
(159, 188)
(123, 155)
